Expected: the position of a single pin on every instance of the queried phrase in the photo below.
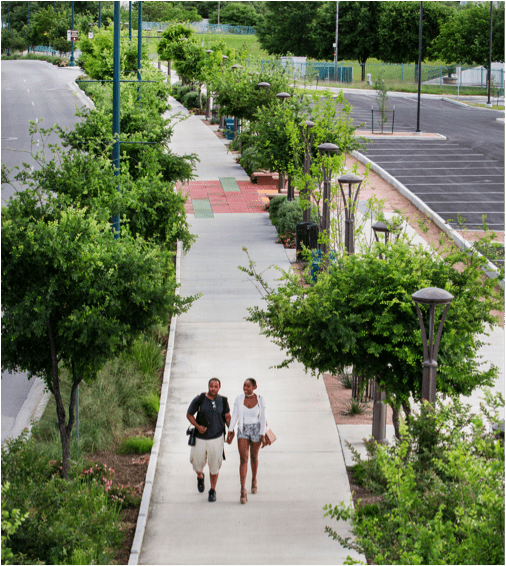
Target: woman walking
(249, 413)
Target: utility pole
(218, 12)
(130, 21)
(99, 15)
(139, 48)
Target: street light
(326, 150)
(72, 61)
(349, 208)
(432, 296)
(307, 137)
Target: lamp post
(379, 411)
(264, 86)
(222, 118)
(490, 58)
(349, 208)
(99, 15)
(326, 150)
(8, 25)
(72, 61)
(237, 68)
(418, 131)
(208, 101)
(307, 137)
(432, 296)
(382, 228)
(130, 21)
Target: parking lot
(461, 177)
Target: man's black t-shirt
(210, 416)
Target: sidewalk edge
(463, 244)
(140, 529)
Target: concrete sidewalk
(304, 469)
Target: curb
(463, 244)
(140, 529)
(455, 102)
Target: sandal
(254, 486)
(244, 495)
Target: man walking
(213, 413)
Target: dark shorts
(250, 432)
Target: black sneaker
(212, 495)
(201, 483)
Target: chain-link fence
(203, 27)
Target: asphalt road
(35, 91)
(460, 177)
(31, 90)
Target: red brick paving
(249, 200)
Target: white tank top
(251, 416)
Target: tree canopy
(465, 36)
(361, 314)
(235, 14)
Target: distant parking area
(461, 177)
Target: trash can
(306, 233)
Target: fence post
(402, 72)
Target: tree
(286, 27)
(97, 55)
(360, 40)
(361, 314)
(75, 296)
(465, 37)
(168, 12)
(13, 40)
(235, 14)
(169, 41)
(399, 29)
(237, 91)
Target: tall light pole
(419, 68)
(490, 58)
(8, 25)
(337, 40)
(116, 107)
(218, 12)
(72, 62)
(130, 21)
(99, 15)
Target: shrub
(250, 160)
(151, 405)
(136, 445)
(289, 214)
(179, 91)
(441, 493)
(147, 355)
(274, 205)
(191, 100)
(62, 517)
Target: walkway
(303, 470)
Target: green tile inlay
(229, 184)
(202, 208)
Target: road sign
(90, 35)
(72, 35)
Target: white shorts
(210, 451)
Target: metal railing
(202, 27)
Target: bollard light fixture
(283, 96)
(264, 86)
(307, 137)
(326, 150)
(432, 297)
(354, 183)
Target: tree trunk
(60, 410)
(395, 421)
(169, 67)
(281, 182)
(362, 64)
